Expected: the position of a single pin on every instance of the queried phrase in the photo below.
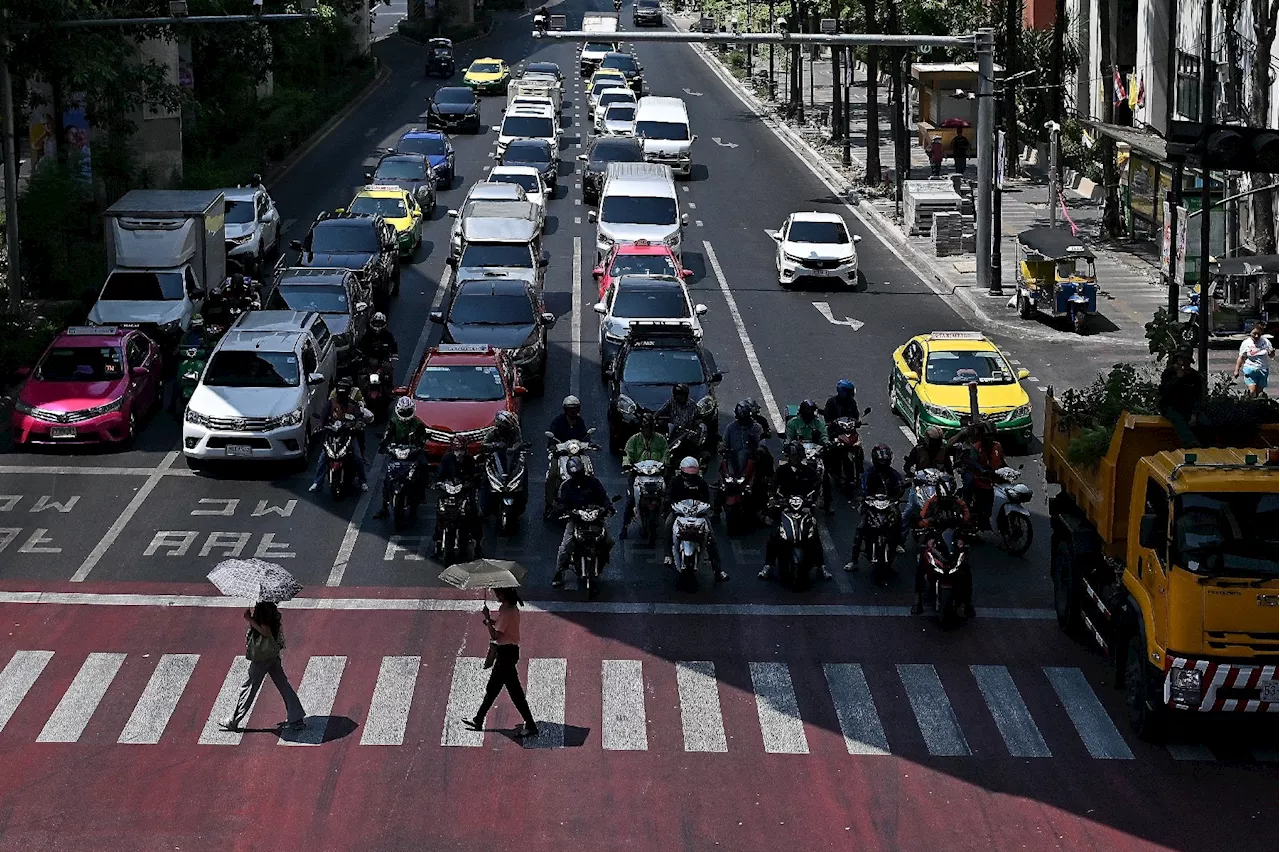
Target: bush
(24, 336)
(737, 61)
(62, 255)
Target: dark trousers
(503, 674)
(935, 169)
(961, 164)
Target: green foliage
(1166, 334)
(62, 255)
(24, 336)
(737, 61)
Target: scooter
(506, 475)
(947, 585)
(881, 517)
(374, 380)
(404, 472)
(648, 495)
(1010, 517)
(689, 538)
(194, 355)
(796, 533)
(586, 555)
(688, 442)
(339, 436)
(558, 455)
(540, 22)
(454, 519)
(846, 454)
(739, 495)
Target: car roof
(815, 216)
(266, 341)
(513, 170)
(501, 229)
(506, 208)
(541, 66)
(536, 110)
(618, 53)
(419, 133)
(497, 191)
(647, 177)
(312, 275)
(956, 341)
(618, 142)
(91, 335)
(475, 355)
(241, 193)
(498, 286)
(649, 282)
(617, 90)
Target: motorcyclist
(843, 404)
(983, 457)
(579, 491)
(458, 465)
(689, 485)
(646, 445)
(540, 18)
(931, 451)
(569, 425)
(881, 478)
(346, 387)
(678, 412)
(943, 511)
(341, 404)
(503, 439)
(809, 427)
(741, 438)
(378, 341)
(240, 290)
(403, 429)
(793, 479)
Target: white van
(638, 204)
(662, 124)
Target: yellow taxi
(487, 75)
(397, 207)
(929, 385)
(605, 74)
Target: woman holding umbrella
(504, 634)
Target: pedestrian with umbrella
(504, 634)
(266, 584)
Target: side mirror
(139, 372)
(582, 158)
(362, 306)
(591, 431)
(776, 236)
(684, 219)
(866, 411)
(699, 310)
(609, 373)
(451, 261)
(592, 217)
(717, 377)
(598, 272)
(197, 293)
(453, 214)
(600, 308)
(497, 128)
(296, 245)
(693, 138)
(857, 239)
(519, 390)
(547, 318)
(368, 175)
(314, 379)
(686, 273)
(1149, 536)
(1022, 374)
(913, 377)
(544, 259)
(437, 317)
(400, 391)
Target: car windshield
(1227, 534)
(142, 287)
(239, 212)
(621, 112)
(234, 368)
(529, 126)
(517, 255)
(341, 238)
(481, 306)
(80, 364)
(662, 367)
(642, 264)
(638, 210)
(622, 63)
(460, 383)
(528, 154)
(325, 298)
(623, 152)
(960, 368)
(818, 232)
(651, 303)
(607, 98)
(392, 208)
(667, 130)
(428, 145)
(610, 81)
(529, 182)
(401, 170)
(454, 96)
(486, 68)
(597, 47)
(543, 68)
(1075, 267)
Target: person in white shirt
(1252, 363)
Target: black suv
(646, 12)
(505, 313)
(655, 357)
(335, 293)
(365, 244)
(603, 151)
(454, 108)
(411, 172)
(628, 65)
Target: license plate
(239, 450)
(62, 431)
(1269, 693)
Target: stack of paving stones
(923, 199)
(953, 233)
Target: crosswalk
(778, 708)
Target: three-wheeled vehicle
(440, 58)
(1055, 275)
(1243, 290)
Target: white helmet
(571, 401)
(689, 465)
(404, 408)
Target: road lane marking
(766, 392)
(692, 206)
(159, 699)
(700, 715)
(622, 716)
(65, 470)
(906, 431)
(17, 678)
(392, 697)
(780, 722)
(1088, 715)
(81, 699)
(698, 222)
(316, 691)
(225, 704)
(547, 685)
(932, 709)
(855, 709)
(466, 691)
(575, 325)
(122, 521)
(577, 220)
(1012, 718)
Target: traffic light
(1224, 147)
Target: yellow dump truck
(1167, 559)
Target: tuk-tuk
(1055, 275)
(1243, 290)
(440, 58)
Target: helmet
(575, 467)
(378, 321)
(881, 455)
(689, 466)
(752, 405)
(197, 323)
(844, 387)
(237, 280)
(680, 391)
(571, 401)
(742, 412)
(648, 421)
(457, 444)
(506, 421)
(345, 383)
(808, 409)
(404, 408)
(795, 450)
(934, 433)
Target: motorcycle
(455, 511)
(540, 22)
(689, 538)
(796, 534)
(846, 456)
(339, 457)
(688, 442)
(739, 494)
(193, 353)
(946, 556)
(506, 475)
(586, 556)
(221, 309)
(558, 455)
(648, 496)
(376, 386)
(403, 485)
(881, 518)
(1009, 514)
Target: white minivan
(638, 204)
(662, 124)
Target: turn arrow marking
(825, 310)
(695, 94)
(716, 139)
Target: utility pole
(1055, 134)
(1206, 117)
(846, 158)
(1175, 201)
(985, 44)
(772, 19)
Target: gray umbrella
(484, 574)
(254, 580)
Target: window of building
(1187, 104)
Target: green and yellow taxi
(929, 384)
(397, 207)
(487, 75)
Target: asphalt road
(94, 528)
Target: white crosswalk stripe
(700, 715)
(932, 708)
(547, 683)
(779, 713)
(317, 691)
(1010, 712)
(16, 680)
(392, 698)
(225, 704)
(465, 694)
(1086, 712)
(159, 699)
(81, 698)
(622, 716)
(855, 709)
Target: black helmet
(882, 456)
(808, 408)
(378, 321)
(742, 412)
(505, 421)
(794, 449)
(680, 392)
(575, 467)
(648, 421)
(345, 383)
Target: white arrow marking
(695, 94)
(716, 139)
(825, 310)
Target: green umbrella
(484, 574)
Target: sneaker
(917, 607)
(851, 566)
(826, 575)
(557, 581)
(765, 573)
(474, 724)
(364, 486)
(526, 730)
(668, 562)
(722, 576)
(315, 486)
(229, 724)
(900, 549)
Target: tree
(873, 176)
(1106, 145)
(1263, 204)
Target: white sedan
(816, 245)
(619, 120)
(607, 97)
(526, 177)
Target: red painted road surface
(770, 692)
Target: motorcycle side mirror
(400, 391)
(550, 435)
(437, 316)
(591, 431)
(296, 245)
(315, 379)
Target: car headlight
(195, 417)
(1185, 681)
(941, 412)
(293, 418)
(706, 405)
(239, 241)
(626, 405)
(853, 258)
(107, 408)
(615, 334)
(673, 240)
(1020, 412)
(606, 239)
(24, 408)
(791, 258)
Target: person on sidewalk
(960, 150)
(1181, 392)
(935, 157)
(504, 636)
(263, 643)
(1254, 352)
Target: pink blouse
(507, 623)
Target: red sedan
(640, 258)
(458, 389)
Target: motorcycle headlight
(401, 453)
(452, 488)
(495, 482)
(195, 417)
(293, 418)
(191, 376)
(706, 405)
(941, 412)
(590, 514)
(1020, 412)
(626, 405)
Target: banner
(1180, 275)
(1000, 160)
(1166, 240)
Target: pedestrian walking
(504, 653)
(263, 643)
(960, 150)
(935, 157)
(1254, 352)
